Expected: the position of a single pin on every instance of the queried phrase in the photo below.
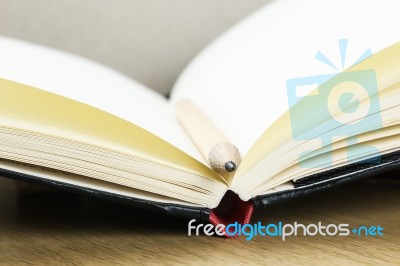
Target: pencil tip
(230, 166)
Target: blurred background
(151, 41)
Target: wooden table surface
(54, 227)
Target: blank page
(240, 79)
(94, 84)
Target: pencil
(221, 154)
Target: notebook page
(240, 79)
(94, 84)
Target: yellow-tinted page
(386, 65)
(32, 109)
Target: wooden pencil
(221, 154)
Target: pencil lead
(230, 166)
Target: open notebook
(300, 124)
